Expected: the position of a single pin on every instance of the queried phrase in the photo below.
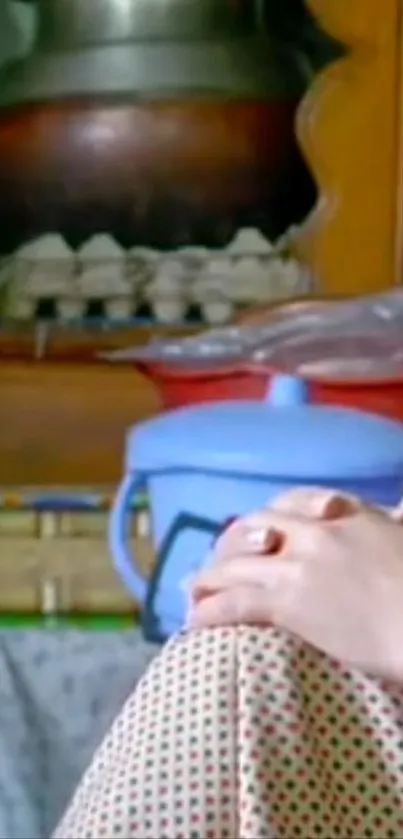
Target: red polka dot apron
(247, 733)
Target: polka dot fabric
(247, 733)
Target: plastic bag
(337, 356)
(355, 338)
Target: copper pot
(165, 124)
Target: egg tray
(100, 311)
(45, 279)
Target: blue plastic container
(206, 464)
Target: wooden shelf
(78, 342)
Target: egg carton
(47, 279)
(140, 267)
(212, 307)
(104, 281)
(44, 265)
(119, 308)
(250, 281)
(69, 309)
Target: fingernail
(259, 537)
(335, 505)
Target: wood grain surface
(348, 126)
(65, 424)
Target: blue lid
(281, 438)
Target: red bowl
(178, 387)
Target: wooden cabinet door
(351, 130)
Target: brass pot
(148, 49)
(164, 122)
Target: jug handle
(118, 537)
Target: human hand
(319, 564)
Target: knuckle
(234, 537)
(296, 500)
(316, 502)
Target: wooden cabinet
(64, 423)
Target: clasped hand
(319, 564)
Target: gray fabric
(59, 691)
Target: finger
(261, 533)
(239, 605)
(252, 534)
(246, 571)
(317, 503)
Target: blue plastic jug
(206, 464)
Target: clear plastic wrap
(357, 338)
